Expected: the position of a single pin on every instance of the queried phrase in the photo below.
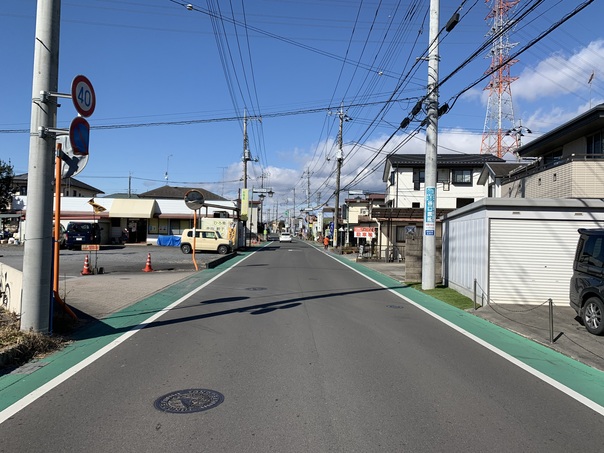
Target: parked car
(61, 235)
(285, 236)
(80, 233)
(205, 240)
(587, 282)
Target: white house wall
(446, 199)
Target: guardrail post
(475, 294)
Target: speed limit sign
(82, 95)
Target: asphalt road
(112, 258)
(310, 357)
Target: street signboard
(82, 95)
(364, 232)
(79, 136)
(245, 207)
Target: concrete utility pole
(429, 243)
(339, 159)
(247, 156)
(307, 174)
(37, 258)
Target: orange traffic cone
(148, 267)
(86, 269)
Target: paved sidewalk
(98, 296)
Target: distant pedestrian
(326, 242)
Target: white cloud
(560, 74)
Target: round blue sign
(79, 136)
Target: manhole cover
(190, 400)
(394, 306)
(256, 288)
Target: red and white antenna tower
(500, 111)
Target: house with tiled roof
(178, 193)
(70, 187)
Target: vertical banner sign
(430, 212)
(245, 203)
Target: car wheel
(593, 314)
(186, 248)
(223, 249)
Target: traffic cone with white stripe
(86, 269)
(148, 267)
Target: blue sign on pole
(430, 212)
(331, 228)
(79, 136)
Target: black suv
(79, 233)
(587, 282)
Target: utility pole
(247, 156)
(307, 174)
(429, 242)
(339, 159)
(37, 258)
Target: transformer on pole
(500, 111)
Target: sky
(174, 83)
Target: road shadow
(102, 328)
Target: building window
(594, 144)
(461, 202)
(400, 234)
(419, 177)
(442, 175)
(463, 176)
(539, 182)
(555, 177)
(415, 204)
(392, 178)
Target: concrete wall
(11, 287)
(413, 259)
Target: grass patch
(21, 346)
(447, 295)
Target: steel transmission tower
(500, 110)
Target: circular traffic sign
(79, 135)
(194, 199)
(82, 95)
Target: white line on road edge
(544, 377)
(40, 391)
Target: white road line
(40, 391)
(545, 378)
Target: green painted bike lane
(586, 381)
(91, 339)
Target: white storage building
(519, 251)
